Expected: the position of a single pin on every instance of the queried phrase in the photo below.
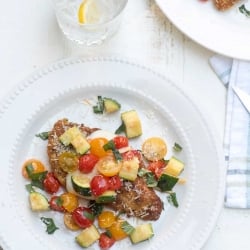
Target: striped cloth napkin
(237, 130)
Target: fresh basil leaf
(99, 108)
(51, 227)
(88, 215)
(244, 10)
(29, 188)
(150, 180)
(38, 178)
(177, 147)
(44, 135)
(142, 172)
(120, 129)
(30, 169)
(127, 228)
(95, 207)
(110, 145)
(172, 199)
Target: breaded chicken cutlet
(136, 199)
(133, 198)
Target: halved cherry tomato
(156, 167)
(68, 161)
(116, 230)
(154, 148)
(114, 183)
(34, 166)
(105, 242)
(87, 163)
(83, 217)
(98, 185)
(129, 155)
(120, 141)
(108, 166)
(50, 183)
(96, 147)
(69, 222)
(56, 204)
(69, 201)
(106, 219)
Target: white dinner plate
(225, 32)
(69, 89)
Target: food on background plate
(97, 180)
(225, 4)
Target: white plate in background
(226, 33)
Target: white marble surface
(30, 39)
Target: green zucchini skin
(167, 182)
(81, 189)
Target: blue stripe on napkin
(237, 131)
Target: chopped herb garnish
(95, 207)
(172, 199)
(88, 215)
(127, 228)
(142, 172)
(177, 147)
(108, 234)
(244, 10)
(110, 145)
(44, 135)
(120, 129)
(29, 168)
(99, 108)
(51, 227)
(150, 180)
(29, 188)
(59, 201)
(148, 176)
(37, 179)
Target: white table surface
(30, 39)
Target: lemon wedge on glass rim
(89, 12)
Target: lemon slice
(89, 12)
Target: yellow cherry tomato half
(116, 230)
(68, 161)
(108, 166)
(34, 166)
(69, 201)
(106, 219)
(69, 222)
(96, 147)
(154, 149)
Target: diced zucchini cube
(174, 167)
(38, 202)
(129, 169)
(141, 233)
(88, 236)
(132, 123)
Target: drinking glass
(89, 33)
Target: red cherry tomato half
(120, 141)
(156, 167)
(56, 204)
(114, 183)
(87, 163)
(50, 183)
(105, 242)
(83, 217)
(98, 185)
(129, 155)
